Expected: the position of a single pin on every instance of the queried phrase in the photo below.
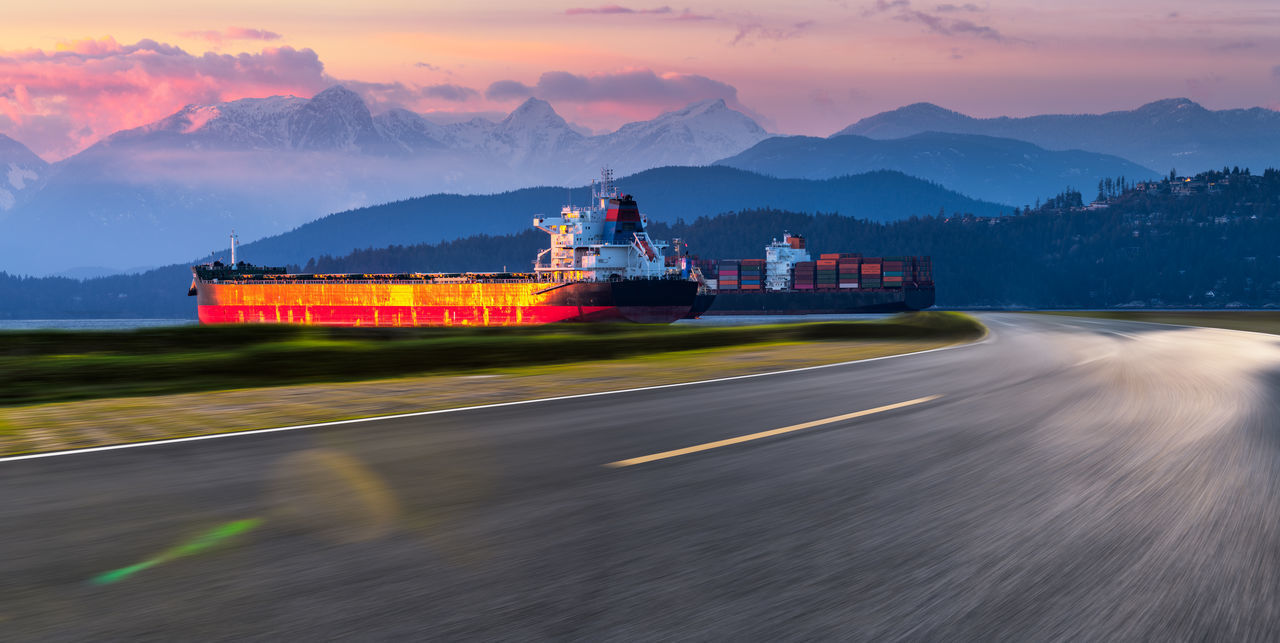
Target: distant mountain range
(1175, 133)
(170, 190)
(665, 194)
(996, 169)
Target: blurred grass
(97, 422)
(46, 366)
(1258, 321)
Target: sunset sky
(72, 72)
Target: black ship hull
(819, 302)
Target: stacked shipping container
(751, 275)
(893, 272)
(728, 274)
(803, 275)
(832, 271)
(849, 273)
(871, 272)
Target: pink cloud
(691, 16)
(749, 31)
(628, 94)
(613, 9)
(62, 101)
(233, 33)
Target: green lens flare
(198, 544)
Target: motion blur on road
(1064, 479)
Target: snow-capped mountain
(533, 133)
(22, 174)
(168, 190)
(246, 124)
(695, 135)
(337, 120)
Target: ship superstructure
(604, 240)
(601, 266)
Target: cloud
(750, 31)
(630, 86)
(882, 6)
(103, 86)
(508, 90)
(691, 16)
(59, 102)
(449, 92)
(426, 66)
(1235, 46)
(233, 33)
(611, 9)
(901, 10)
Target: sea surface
(89, 324)
(128, 324)
(752, 320)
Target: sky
(74, 71)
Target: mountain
(665, 195)
(165, 191)
(995, 169)
(1145, 248)
(1171, 133)
(696, 135)
(22, 174)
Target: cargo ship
(602, 266)
(789, 282)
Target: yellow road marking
(765, 434)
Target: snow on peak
(196, 117)
(533, 113)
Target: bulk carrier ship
(601, 267)
(789, 282)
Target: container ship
(601, 267)
(789, 282)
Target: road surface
(1064, 479)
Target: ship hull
(512, 303)
(818, 302)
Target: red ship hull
(355, 302)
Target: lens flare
(200, 543)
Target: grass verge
(49, 366)
(1258, 321)
(98, 422)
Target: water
(129, 324)
(89, 324)
(752, 320)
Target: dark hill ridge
(1171, 133)
(986, 167)
(1146, 248)
(665, 194)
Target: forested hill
(664, 194)
(1205, 241)
(1209, 240)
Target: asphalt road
(1077, 479)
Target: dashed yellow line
(766, 434)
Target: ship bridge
(604, 240)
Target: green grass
(1259, 321)
(46, 366)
